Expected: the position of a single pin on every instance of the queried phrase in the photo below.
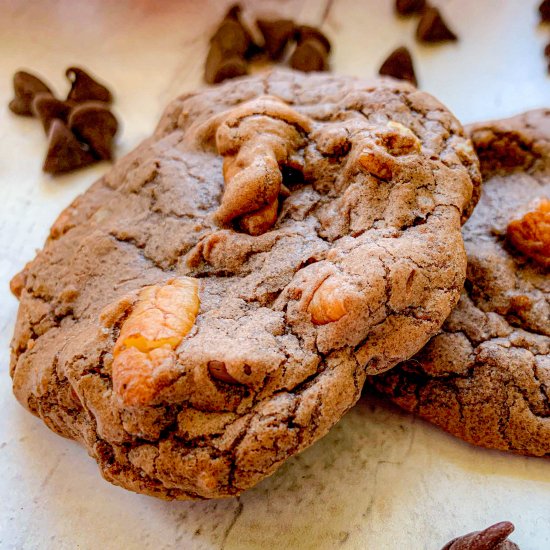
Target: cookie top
(486, 376)
(212, 305)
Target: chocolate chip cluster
(80, 128)
(431, 29)
(232, 46)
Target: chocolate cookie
(213, 304)
(486, 377)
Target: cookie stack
(216, 302)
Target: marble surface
(380, 479)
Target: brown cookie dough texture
(212, 305)
(486, 377)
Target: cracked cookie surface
(309, 227)
(486, 377)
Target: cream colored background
(380, 480)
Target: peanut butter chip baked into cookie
(486, 377)
(212, 305)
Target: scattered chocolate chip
(311, 53)
(85, 88)
(277, 35)
(232, 36)
(544, 10)
(220, 66)
(95, 125)
(432, 27)
(547, 50)
(229, 47)
(409, 7)
(492, 538)
(65, 152)
(308, 56)
(305, 32)
(399, 64)
(47, 108)
(25, 87)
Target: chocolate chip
(232, 36)
(94, 124)
(229, 47)
(492, 538)
(85, 88)
(47, 108)
(399, 64)
(277, 35)
(544, 10)
(25, 87)
(305, 32)
(220, 66)
(547, 50)
(409, 7)
(65, 152)
(432, 28)
(309, 55)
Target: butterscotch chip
(309, 272)
(485, 376)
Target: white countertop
(380, 479)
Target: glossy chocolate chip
(309, 55)
(26, 86)
(65, 152)
(47, 108)
(305, 32)
(86, 88)
(399, 64)
(277, 34)
(432, 28)
(94, 124)
(544, 11)
(492, 538)
(409, 7)
(220, 66)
